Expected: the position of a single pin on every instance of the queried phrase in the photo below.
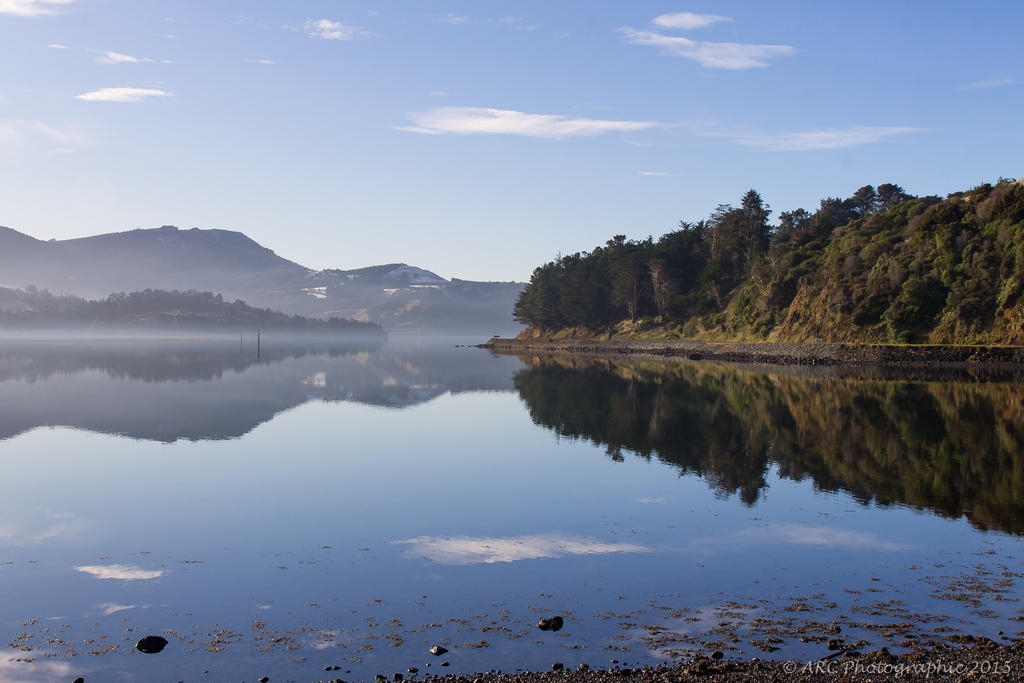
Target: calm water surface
(353, 506)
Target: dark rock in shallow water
(438, 650)
(264, 679)
(557, 666)
(550, 624)
(835, 644)
(78, 680)
(717, 654)
(150, 645)
(412, 670)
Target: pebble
(151, 645)
(551, 623)
(438, 650)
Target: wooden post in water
(257, 343)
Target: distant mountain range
(400, 297)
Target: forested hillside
(880, 266)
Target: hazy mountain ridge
(397, 295)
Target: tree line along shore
(879, 267)
(32, 308)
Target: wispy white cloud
(333, 30)
(836, 138)
(58, 46)
(458, 550)
(688, 20)
(107, 57)
(517, 23)
(658, 174)
(31, 8)
(996, 82)
(260, 61)
(481, 120)
(18, 132)
(120, 572)
(454, 19)
(131, 95)
(710, 55)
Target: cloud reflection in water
(121, 572)
(457, 550)
(35, 527)
(14, 669)
(823, 536)
(108, 608)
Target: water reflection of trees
(951, 447)
(163, 361)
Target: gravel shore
(985, 660)
(777, 353)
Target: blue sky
(480, 139)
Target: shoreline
(985, 659)
(776, 353)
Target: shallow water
(353, 506)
